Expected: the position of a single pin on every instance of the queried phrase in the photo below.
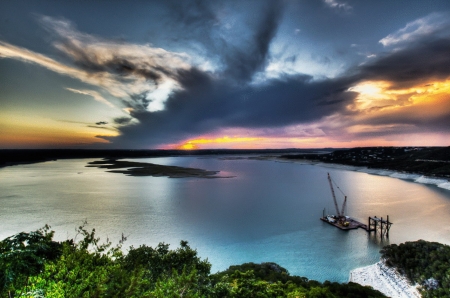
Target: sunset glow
(277, 77)
(218, 142)
(24, 131)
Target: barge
(348, 224)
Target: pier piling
(378, 225)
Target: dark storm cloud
(101, 123)
(206, 102)
(428, 60)
(243, 63)
(122, 120)
(193, 14)
(233, 92)
(202, 23)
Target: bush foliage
(33, 265)
(424, 263)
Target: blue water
(268, 212)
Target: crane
(340, 213)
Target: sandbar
(131, 168)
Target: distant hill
(430, 161)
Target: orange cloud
(376, 96)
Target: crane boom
(334, 196)
(343, 206)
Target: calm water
(269, 212)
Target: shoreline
(384, 279)
(440, 182)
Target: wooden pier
(379, 226)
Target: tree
(24, 255)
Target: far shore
(11, 157)
(433, 162)
(30, 156)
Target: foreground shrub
(33, 265)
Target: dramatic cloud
(406, 91)
(206, 104)
(120, 69)
(226, 93)
(429, 26)
(243, 63)
(424, 61)
(375, 98)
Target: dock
(352, 224)
(343, 222)
(377, 225)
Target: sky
(224, 74)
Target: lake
(268, 212)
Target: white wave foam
(445, 185)
(427, 180)
(405, 176)
(439, 182)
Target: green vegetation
(272, 280)
(33, 265)
(425, 263)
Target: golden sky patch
(37, 132)
(378, 98)
(228, 141)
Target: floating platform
(352, 224)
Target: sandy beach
(384, 279)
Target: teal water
(269, 211)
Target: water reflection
(269, 212)
(377, 239)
